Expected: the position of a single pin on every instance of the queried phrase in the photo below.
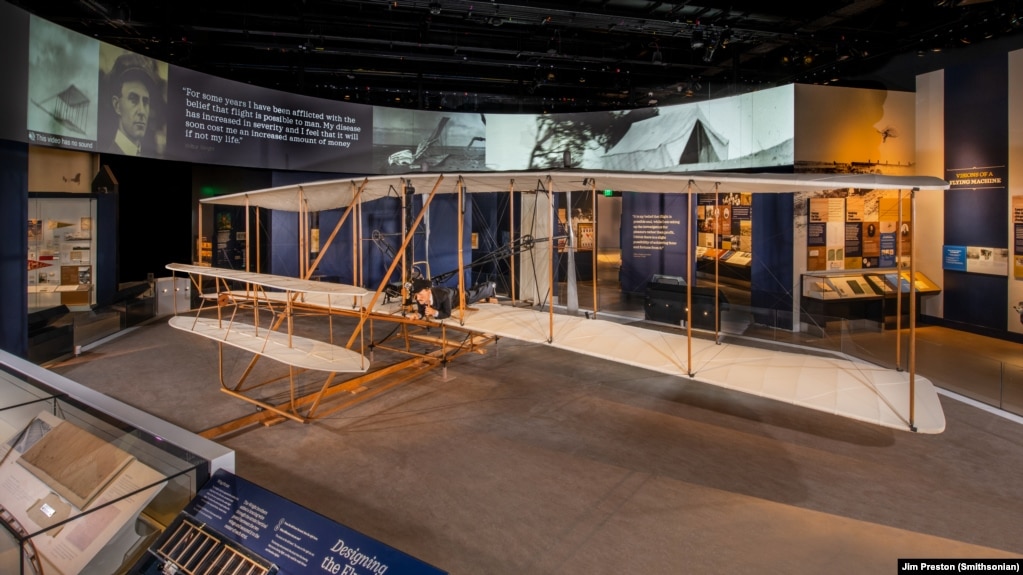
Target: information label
(292, 537)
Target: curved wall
(74, 93)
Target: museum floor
(528, 459)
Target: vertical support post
(248, 234)
(571, 279)
(406, 271)
(717, 262)
(511, 239)
(550, 267)
(198, 280)
(912, 309)
(461, 249)
(258, 245)
(689, 278)
(595, 259)
(248, 240)
(898, 286)
(357, 246)
(198, 243)
(301, 232)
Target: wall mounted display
(976, 260)
(725, 228)
(858, 231)
(584, 235)
(1017, 237)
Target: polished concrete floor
(528, 459)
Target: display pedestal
(665, 302)
(857, 300)
(173, 295)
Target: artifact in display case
(69, 495)
(853, 286)
(205, 252)
(897, 282)
(87, 490)
(818, 288)
(888, 282)
(843, 287)
(878, 282)
(584, 235)
(738, 258)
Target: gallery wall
(970, 130)
(930, 159)
(1015, 223)
(200, 119)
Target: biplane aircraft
(233, 299)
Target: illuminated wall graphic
(415, 141)
(77, 100)
(63, 87)
(849, 130)
(217, 121)
(747, 131)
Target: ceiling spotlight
(435, 8)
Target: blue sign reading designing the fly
(295, 539)
(954, 258)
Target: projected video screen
(83, 94)
(89, 95)
(747, 131)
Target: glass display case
(861, 295)
(84, 490)
(61, 253)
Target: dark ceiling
(532, 56)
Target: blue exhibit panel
(771, 271)
(954, 258)
(653, 238)
(979, 298)
(292, 537)
(977, 203)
